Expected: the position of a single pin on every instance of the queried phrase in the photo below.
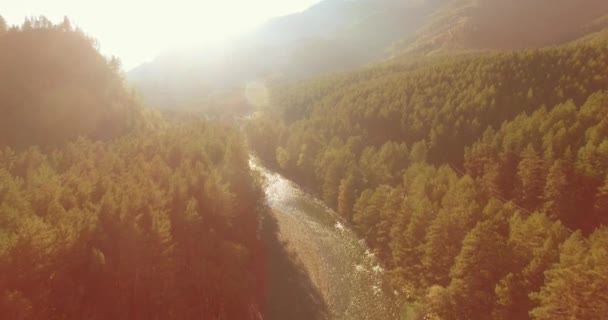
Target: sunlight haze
(304, 159)
(137, 31)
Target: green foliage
(142, 227)
(3, 26)
(480, 264)
(530, 178)
(470, 24)
(56, 86)
(447, 104)
(577, 286)
(559, 156)
(459, 213)
(601, 203)
(347, 196)
(533, 247)
(464, 174)
(159, 222)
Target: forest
(109, 210)
(479, 179)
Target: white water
(348, 276)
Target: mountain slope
(505, 24)
(336, 35)
(330, 36)
(475, 177)
(56, 86)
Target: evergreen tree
(556, 197)
(388, 215)
(63, 89)
(478, 268)
(516, 120)
(3, 26)
(346, 196)
(601, 204)
(533, 248)
(65, 25)
(419, 152)
(368, 212)
(576, 287)
(530, 174)
(139, 227)
(457, 216)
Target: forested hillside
(52, 75)
(507, 24)
(141, 218)
(337, 35)
(479, 179)
(157, 225)
(329, 36)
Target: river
(318, 268)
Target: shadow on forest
(290, 293)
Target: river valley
(318, 268)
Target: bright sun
(138, 30)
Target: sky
(137, 31)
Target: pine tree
(368, 214)
(577, 286)
(533, 248)
(65, 25)
(478, 268)
(530, 174)
(600, 208)
(388, 215)
(3, 26)
(458, 215)
(556, 195)
(346, 196)
(419, 152)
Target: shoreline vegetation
(108, 210)
(479, 179)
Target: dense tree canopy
(138, 218)
(142, 228)
(480, 180)
(465, 173)
(56, 86)
(503, 24)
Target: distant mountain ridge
(330, 36)
(336, 35)
(508, 24)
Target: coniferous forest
(110, 211)
(479, 179)
(476, 179)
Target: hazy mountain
(508, 24)
(330, 36)
(56, 86)
(336, 35)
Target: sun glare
(135, 30)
